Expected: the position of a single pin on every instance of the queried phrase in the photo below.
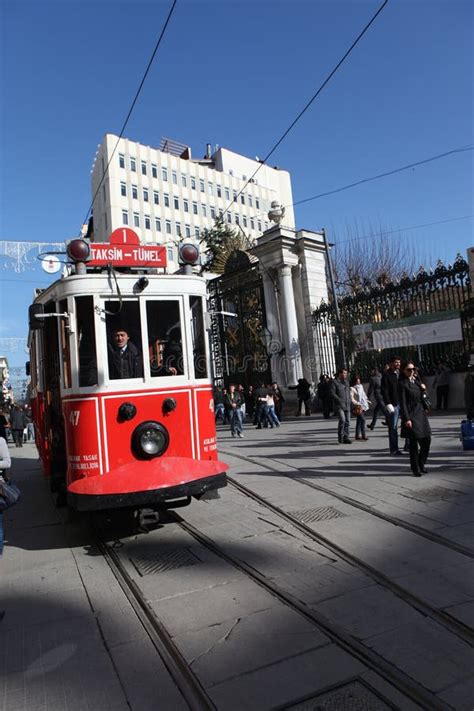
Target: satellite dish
(50, 263)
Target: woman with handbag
(360, 405)
(415, 425)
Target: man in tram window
(125, 359)
(173, 353)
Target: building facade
(165, 195)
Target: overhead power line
(308, 104)
(137, 94)
(402, 229)
(383, 175)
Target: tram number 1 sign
(124, 250)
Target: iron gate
(238, 325)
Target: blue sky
(236, 73)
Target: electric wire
(308, 104)
(137, 94)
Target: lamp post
(338, 324)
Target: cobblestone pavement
(369, 604)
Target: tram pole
(338, 324)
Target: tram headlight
(150, 439)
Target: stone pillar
(289, 326)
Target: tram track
(444, 619)
(401, 523)
(186, 681)
(405, 684)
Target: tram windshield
(198, 334)
(86, 356)
(164, 338)
(124, 338)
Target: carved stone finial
(276, 213)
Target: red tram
(120, 379)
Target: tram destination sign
(124, 250)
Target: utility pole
(338, 324)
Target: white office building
(165, 195)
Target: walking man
(341, 396)
(392, 404)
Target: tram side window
(124, 338)
(65, 351)
(86, 350)
(199, 337)
(164, 338)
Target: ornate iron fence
(439, 295)
(238, 347)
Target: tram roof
(104, 283)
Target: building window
(244, 220)
(186, 205)
(210, 187)
(134, 192)
(164, 173)
(237, 220)
(193, 183)
(235, 195)
(176, 203)
(201, 186)
(213, 213)
(231, 172)
(147, 222)
(227, 194)
(252, 223)
(125, 217)
(196, 231)
(184, 181)
(229, 218)
(123, 189)
(174, 177)
(143, 167)
(121, 160)
(259, 226)
(249, 198)
(242, 199)
(168, 227)
(157, 224)
(154, 170)
(195, 208)
(104, 195)
(145, 194)
(257, 203)
(178, 229)
(187, 230)
(170, 253)
(204, 210)
(136, 219)
(156, 197)
(133, 165)
(166, 200)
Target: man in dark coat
(324, 394)
(303, 390)
(125, 360)
(341, 395)
(415, 424)
(374, 394)
(392, 406)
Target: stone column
(289, 326)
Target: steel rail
(396, 677)
(418, 530)
(186, 681)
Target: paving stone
(426, 652)
(286, 681)
(221, 603)
(323, 583)
(247, 643)
(444, 587)
(460, 696)
(463, 612)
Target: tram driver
(125, 360)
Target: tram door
(54, 333)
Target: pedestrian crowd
(397, 396)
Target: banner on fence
(441, 327)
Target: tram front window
(164, 338)
(123, 340)
(87, 357)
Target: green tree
(220, 241)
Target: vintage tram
(121, 388)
